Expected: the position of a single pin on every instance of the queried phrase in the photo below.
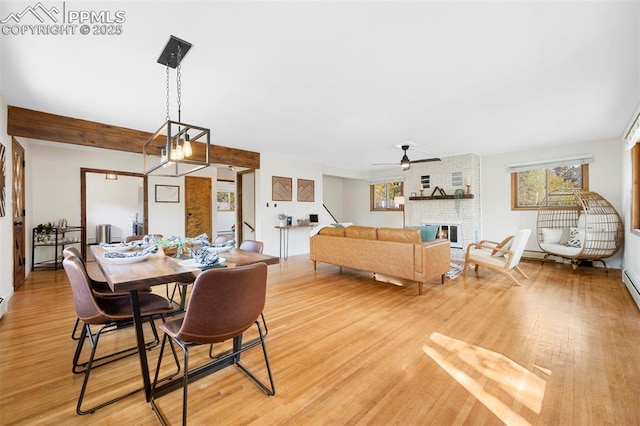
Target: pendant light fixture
(177, 148)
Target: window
(226, 200)
(382, 195)
(529, 187)
(635, 188)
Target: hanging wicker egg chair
(579, 226)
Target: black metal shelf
(58, 241)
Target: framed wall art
(167, 194)
(281, 188)
(306, 190)
(2, 179)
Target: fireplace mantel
(441, 197)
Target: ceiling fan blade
(425, 160)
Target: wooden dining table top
(161, 269)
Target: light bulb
(188, 152)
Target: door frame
(18, 218)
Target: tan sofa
(395, 252)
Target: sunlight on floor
(495, 380)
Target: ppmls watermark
(59, 20)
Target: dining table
(156, 269)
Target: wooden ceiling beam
(32, 124)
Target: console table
(284, 238)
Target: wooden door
(19, 230)
(197, 206)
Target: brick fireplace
(457, 218)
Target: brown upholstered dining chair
(255, 246)
(99, 288)
(108, 314)
(252, 245)
(224, 304)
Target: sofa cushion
(399, 235)
(336, 232)
(361, 232)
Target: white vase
(281, 223)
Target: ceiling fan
(405, 163)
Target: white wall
(53, 187)
(494, 187)
(631, 260)
(333, 198)
(498, 220)
(357, 207)
(267, 217)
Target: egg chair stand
(578, 226)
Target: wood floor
(562, 349)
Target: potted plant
(43, 232)
(283, 219)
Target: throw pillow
(575, 238)
(551, 235)
(504, 244)
(565, 236)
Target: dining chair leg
(269, 391)
(75, 330)
(87, 373)
(185, 378)
(86, 333)
(264, 321)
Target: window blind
(386, 180)
(549, 163)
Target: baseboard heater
(633, 285)
(539, 255)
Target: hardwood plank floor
(563, 348)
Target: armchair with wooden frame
(503, 257)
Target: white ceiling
(342, 83)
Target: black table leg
(142, 352)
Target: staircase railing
(330, 214)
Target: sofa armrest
(432, 259)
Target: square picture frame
(306, 190)
(281, 188)
(167, 194)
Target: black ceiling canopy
(169, 56)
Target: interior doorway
(88, 188)
(246, 211)
(197, 206)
